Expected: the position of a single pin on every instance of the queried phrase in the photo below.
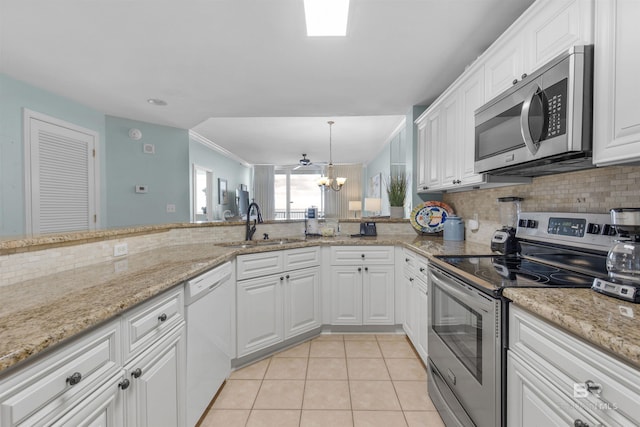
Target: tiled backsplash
(592, 191)
(21, 266)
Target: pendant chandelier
(330, 181)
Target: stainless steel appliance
(208, 302)
(467, 323)
(504, 240)
(541, 125)
(623, 260)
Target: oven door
(464, 346)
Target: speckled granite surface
(37, 314)
(596, 318)
(40, 313)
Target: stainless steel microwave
(542, 124)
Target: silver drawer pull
(74, 378)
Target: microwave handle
(532, 145)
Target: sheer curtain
(263, 186)
(337, 202)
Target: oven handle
(469, 296)
(532, 145)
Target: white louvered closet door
(62, 178)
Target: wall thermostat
(149, 148)
(141, 188)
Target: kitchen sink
(260, 243)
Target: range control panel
(581, 229)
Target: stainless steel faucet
(251, 230)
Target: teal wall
(166, 173)
(14, 97)
(222, 167)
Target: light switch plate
(120, 249)
(148, 148)
(141, 188)
(171, 208)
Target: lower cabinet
(556, 379)
(100, 379)
(154, 384)
(415, 301)
(277, 307)
(362, 295)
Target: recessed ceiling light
(326, 17)
(156, 101)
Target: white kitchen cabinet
(259, 313)
(346, 295)
(554, 378)
(421, 156)
(504, 65)
(547, 29)
(616, 126)
(275, 307)
(155, 395)
(301, 301)
(43, 392)
(362, 285)
(102, 408)
(534, 401)
(416, 306)
(471, 94)
(450, 146)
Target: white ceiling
(243, 73)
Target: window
(202, 197)
(295, 191)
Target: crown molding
(215, 147)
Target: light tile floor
(350, 380)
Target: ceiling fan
(303, 162)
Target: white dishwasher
(208, 301)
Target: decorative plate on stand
(429, 217)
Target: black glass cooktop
(515, 271)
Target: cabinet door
(535, 402)
(302, 302)
(378, 295)
(556, 26)
(155, 397)
(471, 98)
(259, 313)
(503, 66)
(423, 322)
(102, 408)
(421, 161)
(616, 115)
(410, 314)
(346, 295)
(433, 143)
(449, 145)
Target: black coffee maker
(504, 240)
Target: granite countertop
(36, 315)
(596, 318)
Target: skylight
(326, 17)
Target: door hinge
(95, 218)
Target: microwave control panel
(556, 111)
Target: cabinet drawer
(295, 259)
(353, 255)
(569, 363)
(50, 387)
(255, 265)
(147, 323)
(422, 268)
(409, 262)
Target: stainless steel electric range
(467, 329)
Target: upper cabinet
(446, 130)
(616, 128)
